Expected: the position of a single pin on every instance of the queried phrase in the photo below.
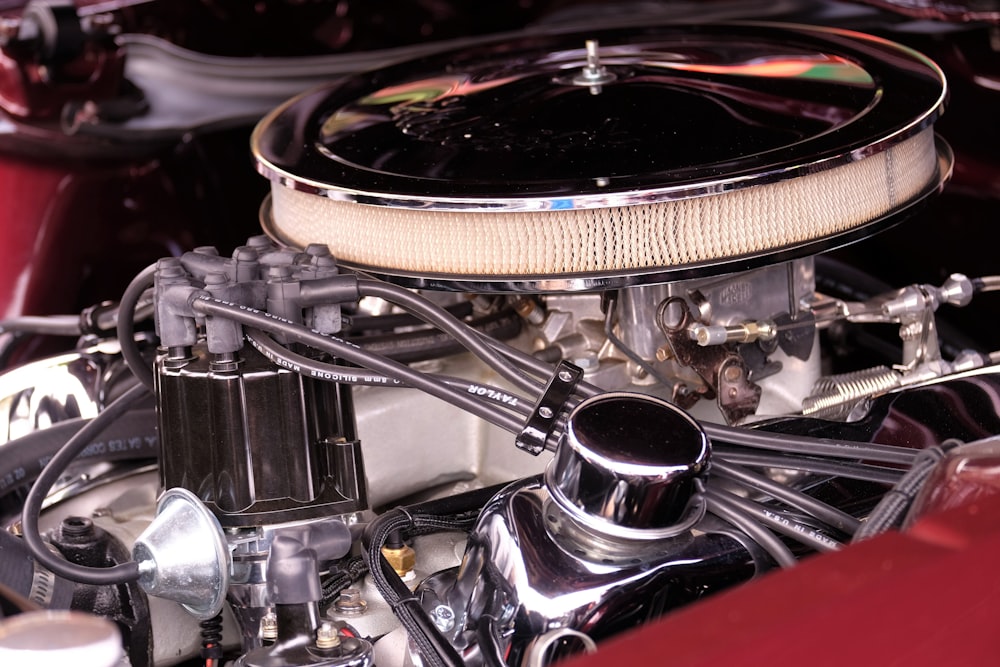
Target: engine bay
(505, 345)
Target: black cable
(758, 438)
(22, 460)
(117, 574)
(345, 350)
(846, 469)
(459, 506)
(393, 321)
(50, 325)
(134, 359)
(430, 343)
(779, 522)
(531, 365)
(431, 645)
(472, 341)
(457, 512)
(730, 513)
(828, 514)
(282, 356)
(795, 444)
(489, 644)
(342, 578)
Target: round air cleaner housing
(607, 158)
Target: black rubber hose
(133, 436)
(846, 281)
(137, 363)
(52, 325)
(117, 574)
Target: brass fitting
(402, 560)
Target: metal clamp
(542, 422)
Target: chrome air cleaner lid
(607, 158)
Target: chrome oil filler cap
(630, 466)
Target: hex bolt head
(350, 603)
(327, 635)
(443, 617)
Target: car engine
(454, 340)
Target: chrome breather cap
(629, 465)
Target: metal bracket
(542, 422)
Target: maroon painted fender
(930, 596)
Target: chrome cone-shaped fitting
(183, 555)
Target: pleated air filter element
(598, 160)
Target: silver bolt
(443, 617)
(269, 626)
(565, 376)
(327, 635)
(587, 362)
(350, 603)
(545, 412)
(593, 74)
